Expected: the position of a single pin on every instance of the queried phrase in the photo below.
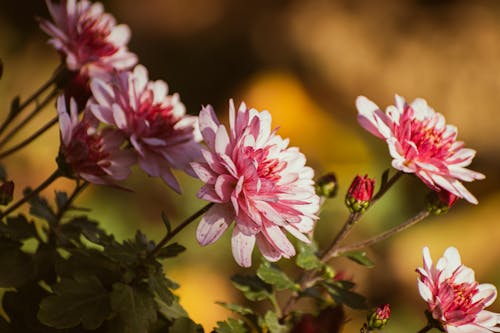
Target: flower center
(457, 303)
(91, 39)
(429, 141)
(267, 168)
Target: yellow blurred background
(305, 62)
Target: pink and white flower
(155, 123)
(454, 297)
(256, 180)
(88, 37)
(88, 153)
(420, 142)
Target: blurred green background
(305, 62)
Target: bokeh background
(305, 62)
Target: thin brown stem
(31, 138)
(178, 229)
(403, 226)
(54, 79)
(28, 118)
(426, 329)
(56, 174)
(307, 278)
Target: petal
(242, 247)
(213, 224)
(371, 118)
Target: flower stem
(354, 217)
(405, 225)
(178, 229)
(28, 118)
(427, 328)
(28, 140)
(58, 74)
(56, 174)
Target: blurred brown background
(304, 61)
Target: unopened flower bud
(440, 202)
(326, 185)
(379, 317)
(6, 193)
(359, 194)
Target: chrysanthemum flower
(420, 142)
(256, 180)
(454, 297)
(155, 123)
(88, 37)
(88, 153)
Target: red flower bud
(360, 193)
(379, 317)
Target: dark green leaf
(89, 262)
(135, 307)
(39, 207)
(18, 228)
(45, 259)
(307, 258)
(273, 275)
(171, 251)
(231, 326)
(161, 285)
(173, 311)
(17, 266)
(236, 308)
(347, 297)
(82, 300)
(81, 225)
(185, 325)
(61, 199)
(360, 257)
(21, 307)
(166, 222)
(252, 287)
(272, 323)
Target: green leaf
(18, 228)
(252, 287)
(61, 199)
(135, 307)
(82, 300)
(185, 325)
(344, 296)
(307, 258)
(360, 257)
(236, 308)
(231, 326)
(81, 225)
(170, 251)
(172, 311)
(166, 222)
(272, 322)
(276, 277)
(161, 285)
(39, 207)
(17, 266)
